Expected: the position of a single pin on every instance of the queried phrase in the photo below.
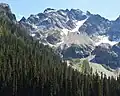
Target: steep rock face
(66, 21)
(58, 28)
(116, 48)
(52, 18)
(95, 25)
(64, 28)
(114, 31)
(75, 51)
(108, 55)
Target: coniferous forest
(28, 68)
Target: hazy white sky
(106, 8)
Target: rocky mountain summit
(64, 28)
(65, 22)
(73, 33)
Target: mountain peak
(118, 19)
(5, 11)
(23, 19)
(88, 13)
(5, 6)
(76, 10)
(49, 10)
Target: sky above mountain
(108, 8)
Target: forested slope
(28, 68)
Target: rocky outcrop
(108, 55)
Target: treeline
(28, 68)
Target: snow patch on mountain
(58, 44)
(104, 39)
(33, 35)
(78, 25)
(76, 29)
(65, 31)
(37, 16)
(34, 26)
